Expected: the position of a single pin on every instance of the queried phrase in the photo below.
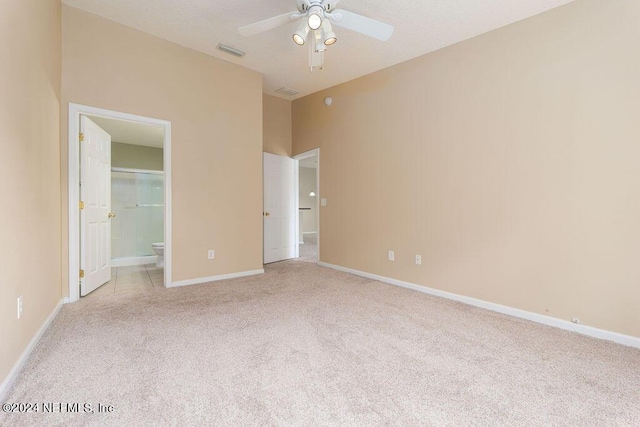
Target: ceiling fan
(316, 29)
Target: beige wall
(509, 162)
(136, 156)
(307, 182)
(276, 125)
(215, 109)
(29, 170)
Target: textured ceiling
(421, 26)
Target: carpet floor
(306, 345)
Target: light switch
(323, 202)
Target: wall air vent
(287, 91)
(230, 50)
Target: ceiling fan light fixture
(314, 17)
(328, 36)
(314, 21)
(300, 36)
(330, 39)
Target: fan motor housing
(302, 5)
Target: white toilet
(158, 248)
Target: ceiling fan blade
(362, 24)
(267, 24)
(330, 5)
(302, 5)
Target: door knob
(111, 214)
(266, 214)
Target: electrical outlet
(392, 256)
(19, 306)
(418, 259)
(211, 254)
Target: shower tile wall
(137, 201)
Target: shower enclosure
(137, 199)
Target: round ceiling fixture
(314, 17)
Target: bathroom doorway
(308, 195)
(139, 227)
(137, 207)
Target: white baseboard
(127, 262)
(7, 383)
(627, 340)
(200, 280)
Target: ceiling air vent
(230, 50)
(287, 91)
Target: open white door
(95, 215)
(279, 198)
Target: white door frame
(75, 110)
(296, 205)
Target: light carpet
(306, 345)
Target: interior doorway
(138, 177)
(279, 210)
(308, 205)
(135, 230)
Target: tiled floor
(137, 278)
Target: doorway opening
(308, 205)
(132, 185)
(137, 207)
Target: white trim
(75, 110)
(10, 379)
(130, 170)
(616, 337)
(309, 232)
(296, 206)
(318, 212)
(201, 280)
(301, 156)
(129, 261)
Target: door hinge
(81, 274)
(81, 137)
(81, 205)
